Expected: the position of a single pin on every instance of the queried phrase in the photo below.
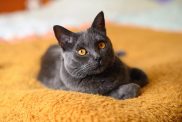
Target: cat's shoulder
(52, 53)
(54, 48)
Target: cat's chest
(101, 83)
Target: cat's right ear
(99, 22)
(63, 36)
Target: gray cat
(85, 62)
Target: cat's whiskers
(78, 72)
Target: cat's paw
(126, 91)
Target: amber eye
(101, 45)
(82, 52)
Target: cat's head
(86, 53)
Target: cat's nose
(98, 59)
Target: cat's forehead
(90, 36)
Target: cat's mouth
(99, 67)
(95, 68)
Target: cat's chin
(95, 71)
(98, 70)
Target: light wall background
(160, 15)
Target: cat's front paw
(126, 91)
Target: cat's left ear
(99, 22)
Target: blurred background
(25, 18)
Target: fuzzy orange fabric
(23, 98)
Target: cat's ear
(64, 36)
(99, 22)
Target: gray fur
(62, 67)
(126, 91)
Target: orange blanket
(23, 98)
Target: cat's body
(98, 71)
